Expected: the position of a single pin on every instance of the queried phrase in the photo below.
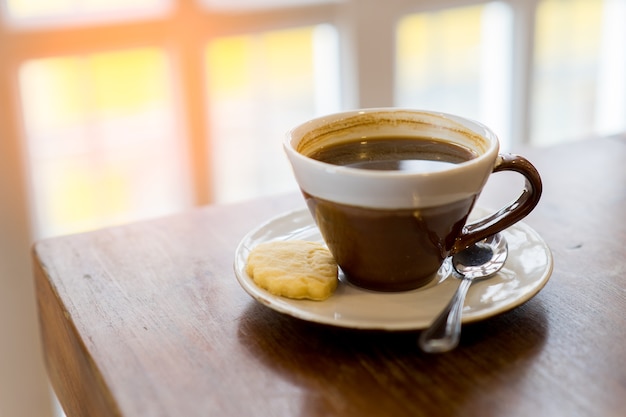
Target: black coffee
(396, 154)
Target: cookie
(294, 269)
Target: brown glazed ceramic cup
(392, 230)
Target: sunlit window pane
(259, 87)
(102, 139)
(580, 70)
(457, 61)
(610, 115)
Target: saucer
(525, 273)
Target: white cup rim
(393, 189)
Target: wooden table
(147, 319)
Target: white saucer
(525, 273)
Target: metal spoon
(479, 261)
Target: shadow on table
(372, 373)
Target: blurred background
(117, 110)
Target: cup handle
(509, 214)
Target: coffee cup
(391, 190)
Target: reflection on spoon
(479, 261)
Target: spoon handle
(444, 333)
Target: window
(580, 70)
(102, 139)
(458, 61)
(258, 86)
(145, 107)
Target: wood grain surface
(147, 319)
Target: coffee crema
(407, 154)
